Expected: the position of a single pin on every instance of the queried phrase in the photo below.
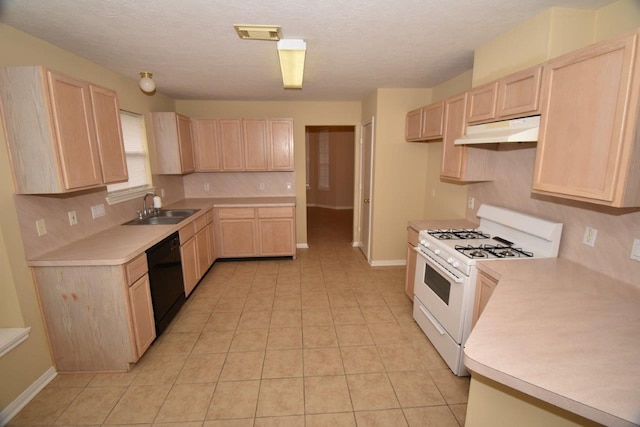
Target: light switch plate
(589, 237)
(635, 250)
(73, 217)
(41, 227)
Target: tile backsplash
(240, 184)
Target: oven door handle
(434, 264)
(433, 321)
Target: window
(135, 147)
(323, 161)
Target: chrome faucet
(145, 211)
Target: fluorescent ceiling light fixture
(258, 32)
(292, 53)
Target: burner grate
(492, 251)
(458, 234)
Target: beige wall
(22, 366)
(620, 16)
(303, 114)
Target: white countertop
(564, 334)
(120, 244)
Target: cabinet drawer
(276, 212)
(231, 213)
(186, 232)
(136, 269)
(200, 223)
(412, 236)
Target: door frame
(366, 207)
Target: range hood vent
(516, 130)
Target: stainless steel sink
(164, 217)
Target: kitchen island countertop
(122, 243)
(564, 334)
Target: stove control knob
(450, 260)
(456, 264)
(437, 251)
(425, 243)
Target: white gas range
(445, 279)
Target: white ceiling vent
(258, 32)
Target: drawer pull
(433, 321)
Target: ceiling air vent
(258, 32)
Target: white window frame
(121, 192)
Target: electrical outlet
(471, 203)
(261, 186)
(289, 186)
(589, 237)
(635, 250)
(41, 227)
(206, 186)
(162, 192)
(97, 211)
(73, 218)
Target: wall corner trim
(25, 397)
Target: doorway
(330, 162)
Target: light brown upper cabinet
(426, 123)
(255, 144)
(461, 163)
(280, 144)
(512, 96)
(231, 144)
(588, 148)
(206, 144)
(173, 143)
(53, 125)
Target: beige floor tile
(371, 391)
(399, 357)
(316, 317)
(192, 321)
(91, 406)
(319, 336)
(402, 313)
(260, 302)
(234, 400)
(345, 299)
(178, 342)
(433, 416)
(255, 319)
(249, 340)
(199, 303)
(370, 299)
(181, 424)
(230, 303)
(186, 402)
(139, 404)
(201, 368)
(244, 422)
(429, 356)
(160, 368)
(46, 406)
(460, 412)
(358, 360)
(282, 364)
(398, 299)
(344, 419)
(326, 394)
(454, 389)
(288, 288)
(242, 366)
(377, 314)
(415, 388)
(287, 301)
(284, 338)
(223, 321)
(347, 315)
(322, 361)
(387, 333)
(290, 421)
(116, 379)
(71, 380)
(280, 397)
(350, 335)
(213, 342)
(382, 418)
(286, 318)
(312, 299)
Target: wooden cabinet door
(413, 125)
(519, 93)
(255, 144)
(409, 279)
(108, 130)
(585, 146)
(454, 157)
(185, 144)
(144, 327)
(432, 121)
(237, 238)
(482, 103)
(276, 236)
(211, 244)
(231, 145)
(74, 130)
(206, 145)
(188, 252)
(485, 285)
(280, 133)
(202, 250)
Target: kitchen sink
(164, 217)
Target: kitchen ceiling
(353, 47)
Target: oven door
(444, 294)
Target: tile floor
(323, 340)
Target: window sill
(129, 194)
(10, 338)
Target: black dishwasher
(165, 277)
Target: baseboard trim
(389, 263)
(302, 246)
(26, 396)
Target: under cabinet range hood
(515, 130)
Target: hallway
(323, 340)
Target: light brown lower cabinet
(97, 318)
(485, 285)
(412, 241)
(196, 250)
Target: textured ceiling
(353, 46)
